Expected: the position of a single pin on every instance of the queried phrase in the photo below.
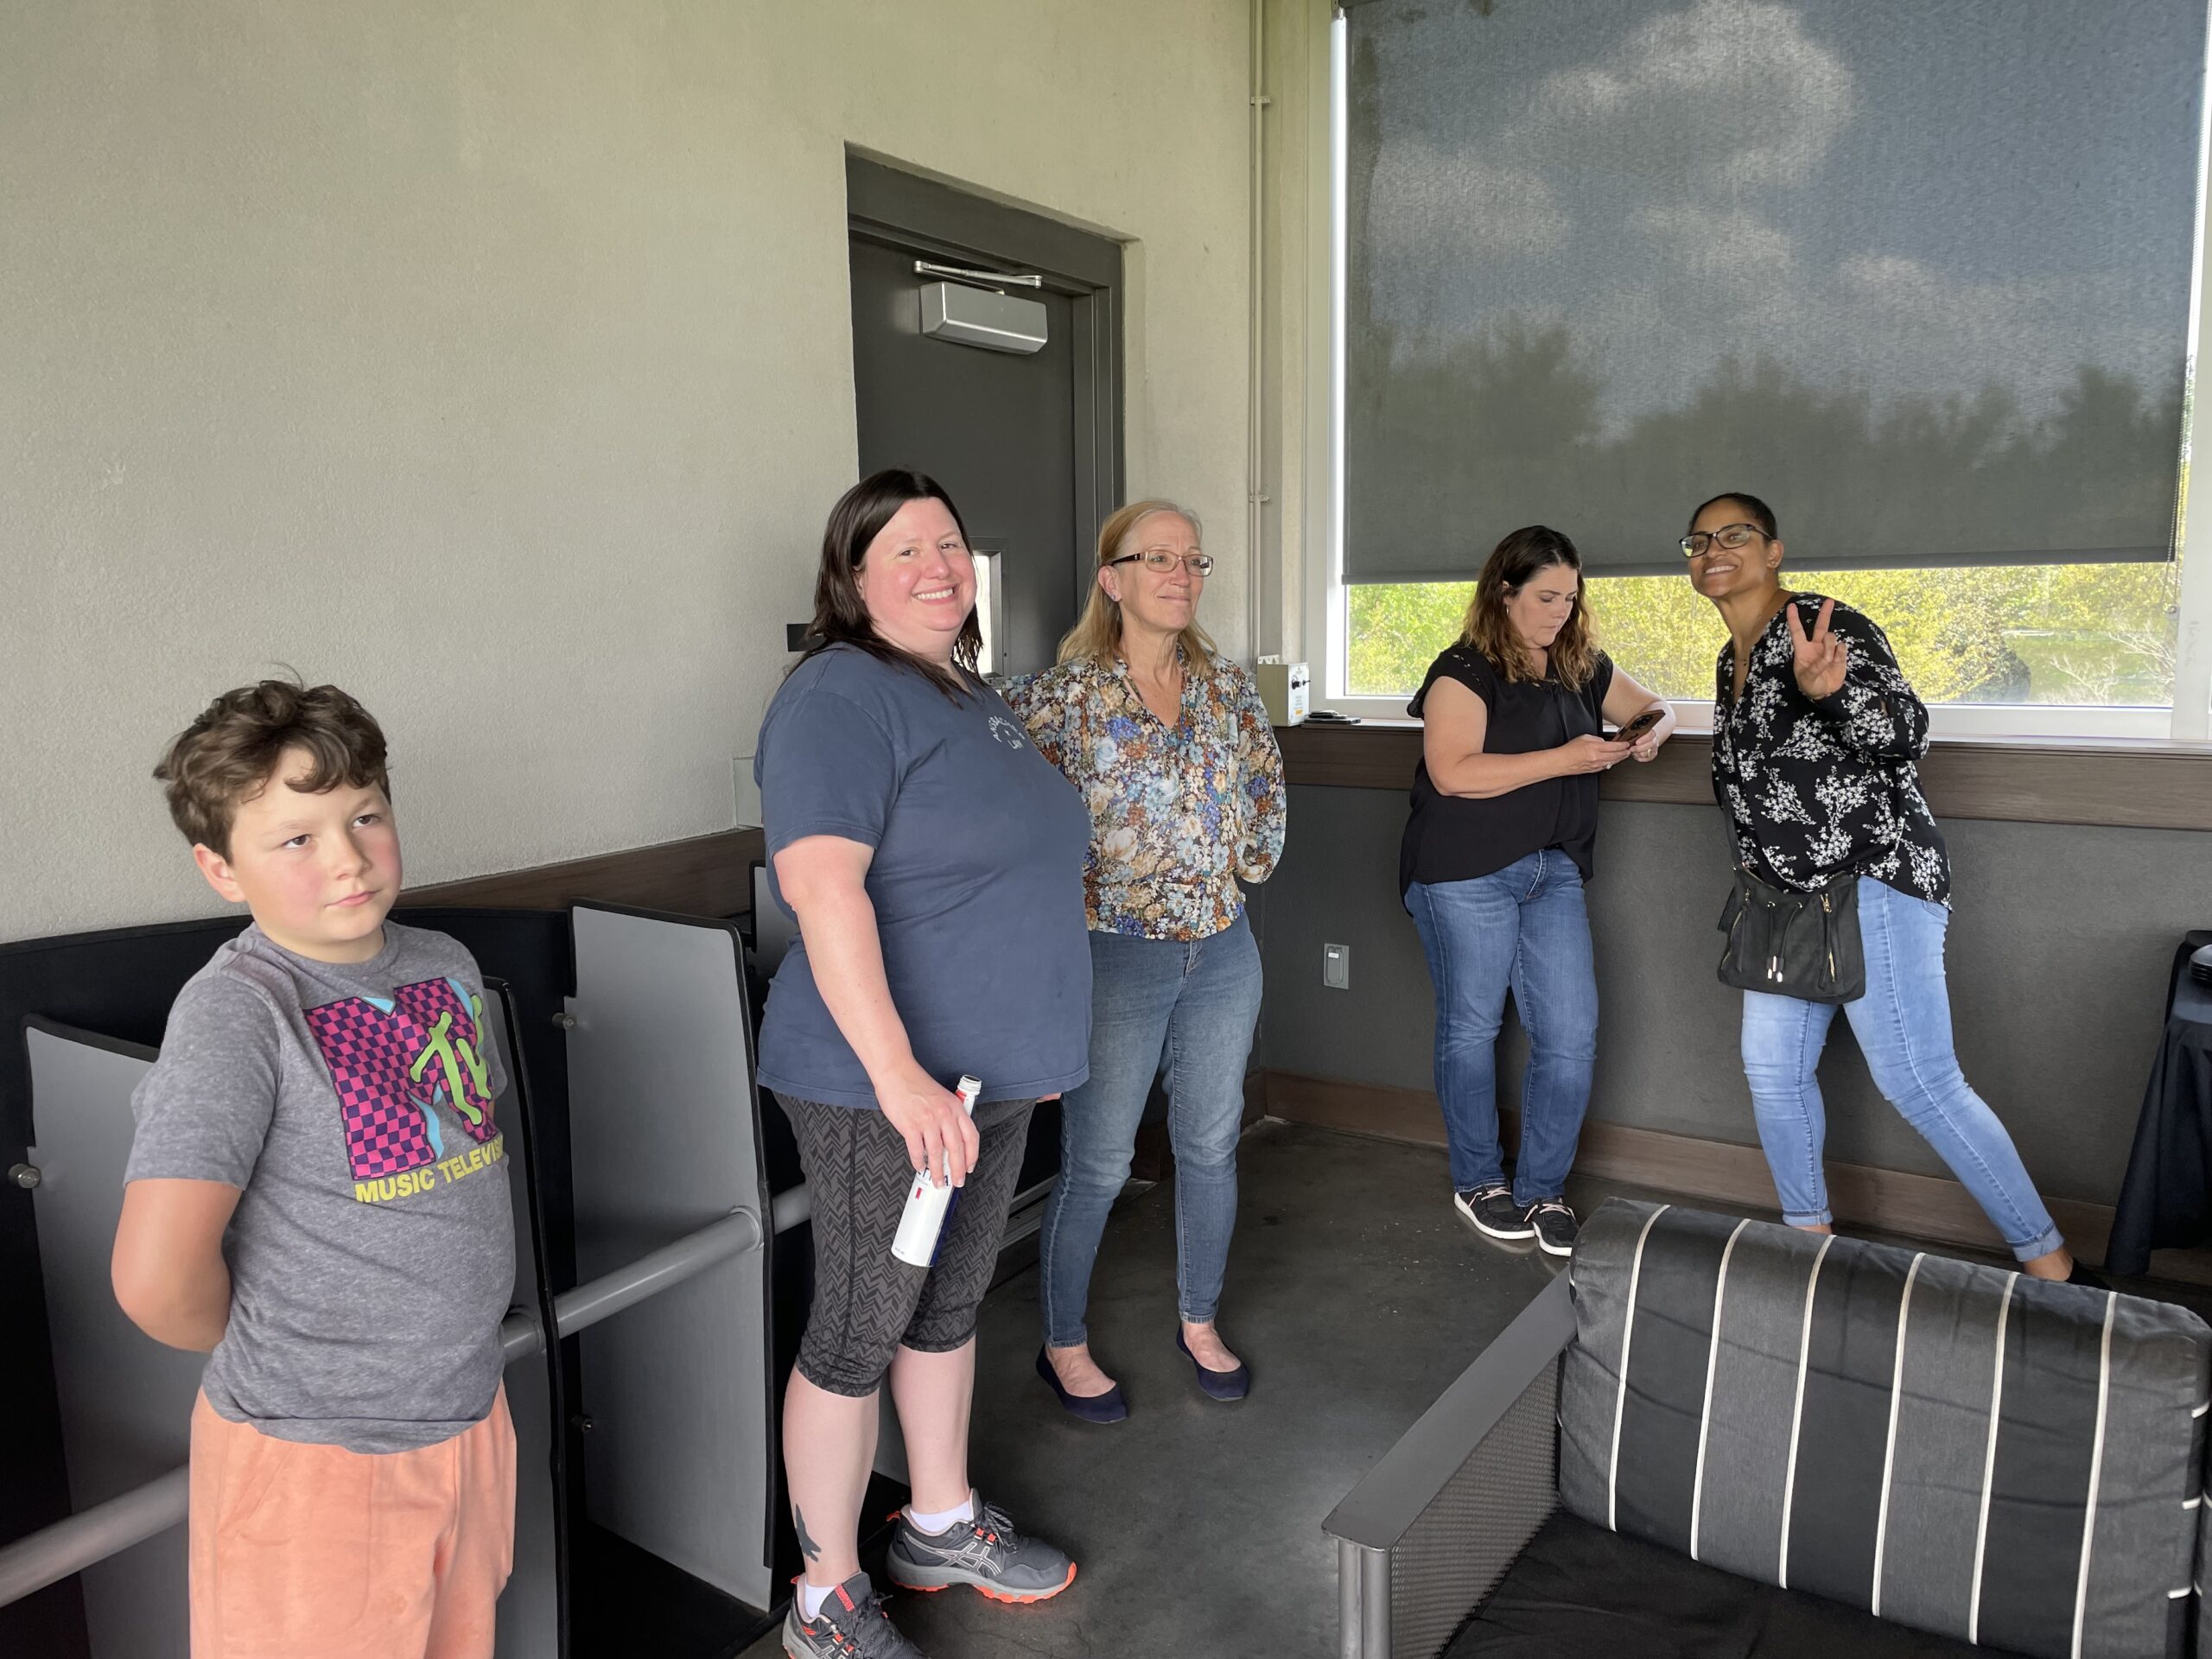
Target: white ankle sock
(811, 1597)
(937, 1521)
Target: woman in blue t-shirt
(933, 861)
(1504, 823)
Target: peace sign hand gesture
(1820, 659)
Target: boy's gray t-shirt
(371, 1253)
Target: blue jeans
(1523, 926)
(1186, 1009)
(1903, 1027)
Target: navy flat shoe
(1217, 1385)
(1107, 1407)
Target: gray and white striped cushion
(1956, 1447)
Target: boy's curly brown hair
(230, 753)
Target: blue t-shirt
(977, 879)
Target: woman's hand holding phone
(1581, 755)
(1641, 736)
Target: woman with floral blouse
(1815, 737)
(1171, 750)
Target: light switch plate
(1335, 967)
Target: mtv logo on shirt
(393, 1064)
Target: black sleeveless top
(1449, 839)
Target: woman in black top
(1504, 816)
(1816, 732)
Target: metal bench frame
(1435, 1525)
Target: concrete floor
(1354, 1294)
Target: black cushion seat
(1944, 1444)
(1578, 1591)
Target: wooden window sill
(2130, 783)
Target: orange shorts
(301, 1550)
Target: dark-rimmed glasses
(1727, 537)
(1160, 560)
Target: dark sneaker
(986, 1552)
(852, 1625)
(1554, 1225)
(1490, 1210)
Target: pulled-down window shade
(1919, 274)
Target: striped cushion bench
(1951, 1446)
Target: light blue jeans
(1184, 1010)
(1903, 1027)
(1525, 926)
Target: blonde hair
(1096, 636)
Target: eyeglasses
(1728, 536)
(1160, 559)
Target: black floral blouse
(1814, 789)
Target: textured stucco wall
(494, 361)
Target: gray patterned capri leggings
(867, 1303)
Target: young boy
(315, 1194)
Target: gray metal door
(996, 431)
(1029, 446)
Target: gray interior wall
(494, 361)
(2061, 943)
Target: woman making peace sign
(1815, 735)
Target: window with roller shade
(2095, 636)
(1919, 275)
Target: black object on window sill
(1330, 717)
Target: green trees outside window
(2097, 634)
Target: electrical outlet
(1335, 967)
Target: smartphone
(1636, 728)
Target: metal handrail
(68, 1546)
(71, 1545)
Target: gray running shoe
(1555, 1224)
(1490, 1210)
(986, 1552)
(852, 1625)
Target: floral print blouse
(1814, 789)
(1178, 816)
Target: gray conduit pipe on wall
(1255, 497)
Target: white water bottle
(927, 1204)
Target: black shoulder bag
(1791, 943)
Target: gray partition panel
(126, 1401)
(661, 1131)
(529, 1607)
